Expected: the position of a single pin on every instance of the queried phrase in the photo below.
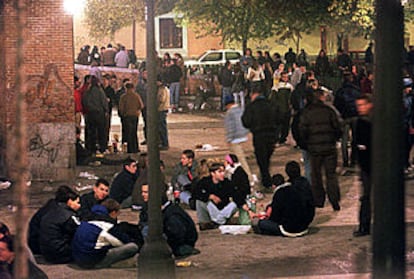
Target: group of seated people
(85, 229)
(217, 189)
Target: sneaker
(208, 226)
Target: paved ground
(329, 251)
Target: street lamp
(74, 7)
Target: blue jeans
(307, 165)
(225, 91)
(349, 125)
(163, 130)
(175, 93)
(118, 254)
(239, 98)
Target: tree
(106, 17)
(234, 20)
(297, 17)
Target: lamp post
(388, 145)
(155, 260)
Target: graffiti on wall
(41, 148)
(49, 93)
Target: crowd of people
(84, 229)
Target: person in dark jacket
(344, 102)
(226, 80)
(123, 184)
(178, 226)
(363, 135)
(239, 182)
(34, 224)
(320, 128)
(7, 257)
(291, 210)
(212, 195)
(98, 194)
(58, 226)
(259, 118)
(100, 242)
(96, 106)
(179, 229)
(173, 76)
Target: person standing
(142, 91)
(226, 80)
(344, 102)
(78, 102)
(363, 136)
(259, 118)
(122, 58)
(110, 95)
(236, 133)
(163, 96)
(108, 56)
(130, 106)
(280, 99)
(96, 107)
(174, 75)
(320, 128)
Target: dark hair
(189, 153)
(366, 96)
(292, 169)
(94, 81)
(231, 159)
(86, 79)
(78, 130)
(278, 179)
(8, 239)
(129, 85)
(109, 45)
(75, 78)
(65, 193)
(111, 205)
(128, 161)
(215, 166)
(4, 229)
(102, 181)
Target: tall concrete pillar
(48, 89)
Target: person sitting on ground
(98, 194)
(212, 196)
(179, 228)
(184, 173)
(4, 230)
(7, 257)
(100, 242)
(34, 224)
(58, 225)
(291, 210)
(240, 183)
(83, 156)
(123, 184)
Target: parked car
(215, 57)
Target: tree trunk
(134, 31)
(20, 191)
(155, 259)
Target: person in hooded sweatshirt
(101, 242)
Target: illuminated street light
(74, 7)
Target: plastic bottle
(170, 192)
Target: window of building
(171, 36)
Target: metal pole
(388, 145)
(155, 260)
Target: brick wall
(48, 66)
